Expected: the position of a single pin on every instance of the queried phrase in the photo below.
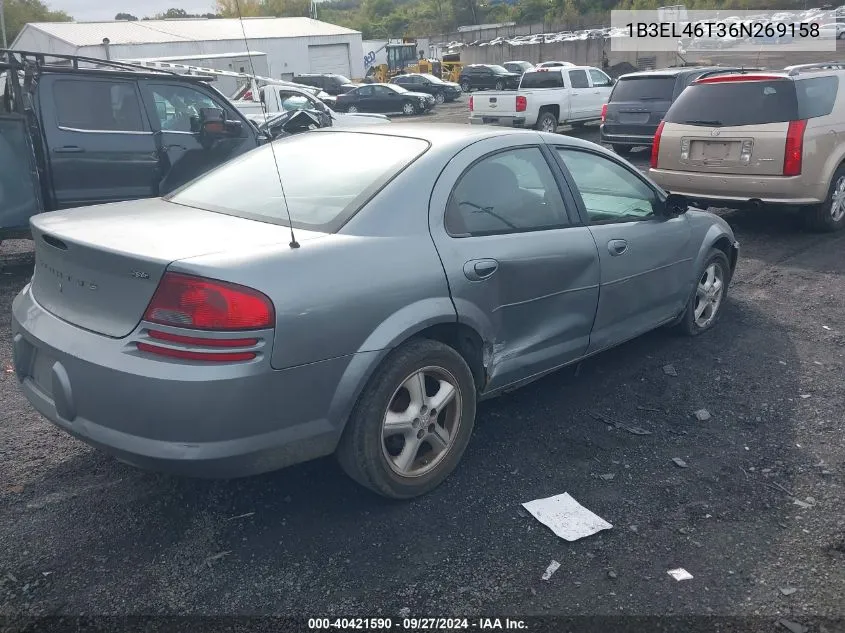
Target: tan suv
(753, 138)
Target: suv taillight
(196, 303)
(521, 104)
(471, 105)
(603, 112)
(655, 146)
(794, 149)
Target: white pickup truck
(545, 99)
(283, 98)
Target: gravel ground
(82, 533)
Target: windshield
(499, 69)
(735, 103)
(327, 177)
(432, 78)
(643, 89)
(342, 79)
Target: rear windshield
(327, 177)
(643, 89)
(542, 79)
(735, 103)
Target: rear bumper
(740, 190)
(223, 421)
(504, 121)
(632, 140)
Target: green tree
(19, 12)
(125, 16)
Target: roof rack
(799, 68)
(727, 71)
(37, 62)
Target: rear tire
(546, 122)
(622, 150)
(440, 98)
(466, 86)
(367, 447)
(829, 216)
(352, 109)
(706, 302)
(500, 86)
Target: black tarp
(19, 190)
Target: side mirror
(675, 205)
(212, 123)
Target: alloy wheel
(421, 421)
(408, 108)
(439, 98)
(352, 109)
(837, 205)
(708, 294)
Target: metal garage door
(329, 58)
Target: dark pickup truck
(76, 131)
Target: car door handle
(617, 247)
(68, 149)
(479, 269)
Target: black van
(639, 101)
(332, 84)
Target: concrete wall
(581, 52)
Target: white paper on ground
(566, 517)
(551, 569)
(680, 574)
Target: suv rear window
(643, 89)
(541, 79)
(736, 103)
(248, 186)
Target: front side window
(107, 106)
(508, 192)
(178, 107)
(611, 193)
(295, 101)
(600, 80)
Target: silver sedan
(352, 292)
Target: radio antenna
(293, 242)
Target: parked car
(545, 99)
(487, 76)
(384, 98)
(330, 83)
(555, 65)
(85, 135)
(162, 332)
(638, 102)
(759, 138)
(442, 91)
(279, 99)
(518, 67)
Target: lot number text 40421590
(703, 30)
(417, 624)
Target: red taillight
(205, 304)
(603, 112)
(470, 103)
(794, 150)
(247, 95)
(726, 78)
(655, 146)
(521, 104)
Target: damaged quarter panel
(530, 292)
(711, 231)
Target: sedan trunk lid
(98, 267)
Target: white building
(292, 45)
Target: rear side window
(542, 79)
(111, 106)
(736, 103)
(248, 186)
(578, 79)
(816, 96)
(643, 89)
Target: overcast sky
(98, 10)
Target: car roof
(680, 70)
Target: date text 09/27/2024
(721, 29)
(417, 624)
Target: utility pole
(3, 24)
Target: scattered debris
(16, 489)
(608, 476)
(9, 369)
(803, 504)
(652, 409)
(805, 395)
(612, 575)
(793, 626)
(404, 612)
(634, 430)
(219, 555)
(782, 362)
(775, 484)
(670, 370)
(826, 327)
(702, 415)
(680, 574)
(566, 517)
(633, 528)
(788, 591)
(46, 573)
(679, 462)
(241, 516)
(550, 570)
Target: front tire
(408, 108)
(711, 291)
(500, 86)
(352, 109)
(829, 216)
(440, 98)
(466, 86)
(412, 423)
(546, 122)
